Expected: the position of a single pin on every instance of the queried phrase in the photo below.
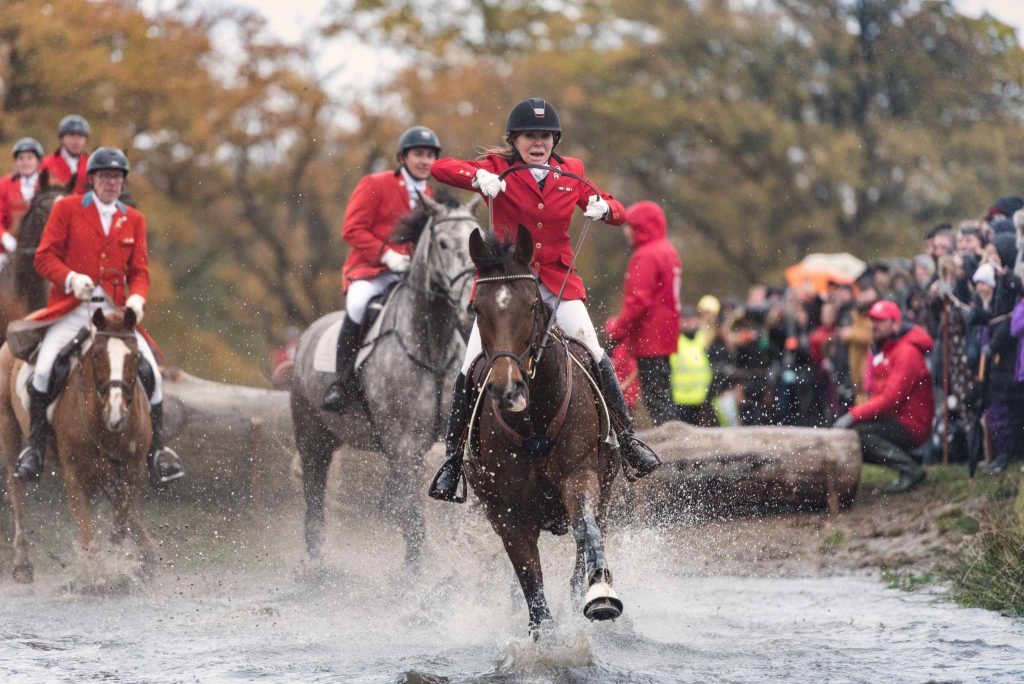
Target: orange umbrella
(818, 270)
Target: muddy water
(235, 601)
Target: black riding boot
(164, 464)
(336, 397)
(30, 460)
(445, 485)
(637, 454)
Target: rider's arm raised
(616, 212)
(459, 173)
(53, 246)
(359, 219)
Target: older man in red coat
(898, 416)
(648, 322)
(93, 251)
(70, 159)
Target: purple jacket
(1017, 330)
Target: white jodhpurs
(571, 317)
(360, 292)
(63, 330)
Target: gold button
(540, 225)
(538, 245)
(536, 264)
(103, 255)
(540, 205)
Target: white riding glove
(10, 243)
(82, 286)
(136, 303)
(399, 263)
(597, 208)
(488, 183)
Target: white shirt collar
(106, 212)
(413, 185)
(70, 159)
(28, 186)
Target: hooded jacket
(649, 320)
(901, 385)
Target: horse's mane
(500, 254)
(411, 227)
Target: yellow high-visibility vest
(691, 371)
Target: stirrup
(336, 404)
(156, 475)
(435, 493)
(31, 474)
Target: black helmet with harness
(73, 124)
(28, 145)
(418, 136)
(533, 114)
(107, 159)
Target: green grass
(908, 581)
(989, 573)
(832, 542)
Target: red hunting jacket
(546, 213)
(378, 203)
(12, 205)
(649, 320)
(73, 240)
(60, 173)
(901, 386)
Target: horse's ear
(44, 179)
(524, 246)
(477, 246)
(99, 319)
(129, 318)
(432, 205)
(474, 203)
(70, 187)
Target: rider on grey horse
(93, 250)
(378, 203)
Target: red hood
(648, 222)
(914, 335)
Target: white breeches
(571, 317)
(360, 292)
(63, 331)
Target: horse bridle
(448, 288)
(127, 387)
(526, 362)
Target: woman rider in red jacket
(543, 201)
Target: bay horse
(102, 432)
(402, 390)
(22, 289)
(543, 459)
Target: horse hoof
(22, 574)
(602, 603)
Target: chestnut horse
(103, 433)
(22, 290)
(542, 459)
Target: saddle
(555, 519)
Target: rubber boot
(445, 485)
(336, 397)
(998, 465)
(164, 464)
(881, 451)
(30, 460)
(637, 454)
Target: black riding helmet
(28, 145)
(533, 114)
(107, 159)
(418, 136)
(73, 124)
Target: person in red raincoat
(898, 416)
(71, 158)
(93, 251)
(378, 203)
(649, 319)
(543, 200)
(18, 189)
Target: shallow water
(242, 605)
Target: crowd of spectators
(804, 355)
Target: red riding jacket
(649, 320)
(378, 203)
(546, 213)
(60, 172)
(901, 386)
(73, 240)
(12, 205)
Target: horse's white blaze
(503, 297)
(117, 350)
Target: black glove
(843, 422)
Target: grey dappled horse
(407, 380)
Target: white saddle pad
(21, 386)
(325, 356)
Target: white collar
(72, 160)
(420, 185)
(105, 209)
(30, 180)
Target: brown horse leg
(316, 445)
(581, 495)
(22, 562)
(521, 547)
(79, 502)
